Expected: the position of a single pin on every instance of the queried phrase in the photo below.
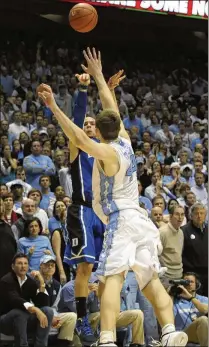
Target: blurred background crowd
(163, 102)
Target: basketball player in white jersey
(131, 239)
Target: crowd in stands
(166, 115)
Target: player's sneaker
(85, 331)
(174, 339)
(106, 344)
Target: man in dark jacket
(8, 246)
(195, 251)
(24, 305)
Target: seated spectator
(142, 173)
(10, 215)
(133, 121)
(171, 237)
(37, 164)
(8, 165)
(17, 151)
(59, 239)
(183, 158)
(28, 211)
(195, 251)
(34, 245)
(199, 188)
(190, 310)
(164, 135)
(125, 318)
(173, 155)
(144, 200)
(18, 316)
(180, 147)
(65, 322)
(8, 246)
(45, 183)
(59, 195)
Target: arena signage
(187, 8)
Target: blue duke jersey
(120, 192)
(81, 172)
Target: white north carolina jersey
(119, 192)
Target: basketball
(83, 18)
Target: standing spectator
(64, 100)
(10, 216)
(8, 165)
(59, 194)
(171, 237)
(195, 251)
(16, 128)
(37, 164)
(17, 191)
(34, 245)
(196, 132)
(6, 81)
(36, 196)
(20, 179)
(142, 173)
(199, 188)
(164, 135)
(64, 322)
(133, 122)
(59, 239)
(18, 315)
(8, 246)
(45, 183)
(28, 210)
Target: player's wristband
(83, 88)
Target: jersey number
(132, 167)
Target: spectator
(37, 164)
(18, 316)
(157, 216)
(64, 100)
(45, 183)
(7, 81)
(184, 190)
(142, 173)
(34, 245)
(28, 211)
(8, 165)
(174, 178)
(132, 121)
(59, 195)
(171, 237)
(195, 251)
(159, 201)
(155, 188)
(36, 196)
(144, 200)
(17, 191)
(199, 188)
(59, 239)
(16, 127)
(164, 135)
(3, 189)
(10, 216)
(8, 246)
(20, 178)
(64, 322)
(190, 311)
(186, 173)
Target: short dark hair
(173, 209)
(28, 223)
(44, 176)
(8, 195)
(18, 256)
(108, 123)
(34, 190)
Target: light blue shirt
(147, 203)
(128, 124)
(169, 179)
(35, 167)
(41, 243)
(185, 311)
(174, 129)
(44, 204)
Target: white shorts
(131, 241)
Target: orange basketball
(83, 18)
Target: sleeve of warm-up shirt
(79, 111)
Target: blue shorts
(86, 233)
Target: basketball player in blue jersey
(85, 229)
(131, 240)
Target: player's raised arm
(78, 137)
(94, 68)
